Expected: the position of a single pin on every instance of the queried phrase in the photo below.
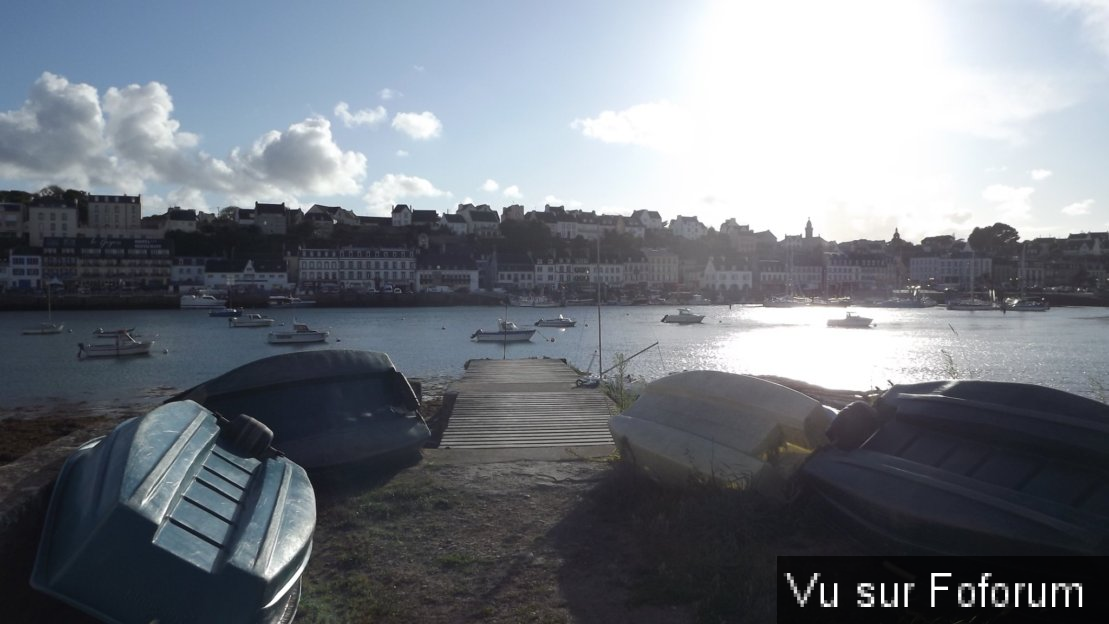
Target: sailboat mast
(600, 358)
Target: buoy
(165, 350)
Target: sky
(931, 117)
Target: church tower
(808, 229)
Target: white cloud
(1095, 20)
(490, 186)
(1040, 174)
(388, 94)
(66, 134)
(658, 125)
(1011, 202)
(994, 105)
(304, 158)
(419, 68)
(402, 154)
(513, 192)
(1078, 208)
(364, 117)
(419, 126)
(392, 188)
(552, 200)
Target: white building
(49, 220)
(689, 228)
(114, 216)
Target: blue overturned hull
(165, 520)
(972, 468)
(326, 408)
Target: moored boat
(250, 320)
(43, 329)
(683, 317)
(202, 301)
(851, 319)
(1027, 304)
(114, 343)
(226, 312)
(506, 331)
(325, 407)
(560, 321)
(285, 301)
(299, 334)
(178, 516)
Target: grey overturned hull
(973, 467)
(165, 520)
(326, 408)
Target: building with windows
(356, 268)
(445, 271)
(108, 264)
(255, 275)
(113, 216)
(47, 220)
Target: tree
(994, 240)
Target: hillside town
(81, 243)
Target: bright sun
(820, 101)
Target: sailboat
(972, 302)
(1024, 303)
(49, 326)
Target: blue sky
(933, 117)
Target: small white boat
(1026, 304)
(250, 320)
(971, 304)
(43, 329)
(202, 302)
(285, 301)
(561, 321)
(735, 430)
(114, 343)
(683, 317)
(851, 319)
(299, 334)
(507, 332)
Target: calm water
(1065, 348)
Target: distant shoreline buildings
(98, 243)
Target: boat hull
(326, 408)
(44, 329)
(191, 528)
(523, 335)
(297, 338)
(973, 468)
(683, 319)
(719, 427)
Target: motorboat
(285, 301)
(178, 516)
(43, 329)
(969, 468)
(560, 321)
(506, 331)
(202, 301)
(325, 407)
(1026, 304)
(299, 334)
(732, 430)
(786, 302)
(226, 312)
(250, 320)
(851, 319)
(683, 317)
(113, 343)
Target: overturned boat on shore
(733, 430)
(326, 408)
(178, 516)
(944, 467)
(970, 467)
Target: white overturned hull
(734, 430)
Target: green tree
(995, 240)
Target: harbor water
(1065, 348)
